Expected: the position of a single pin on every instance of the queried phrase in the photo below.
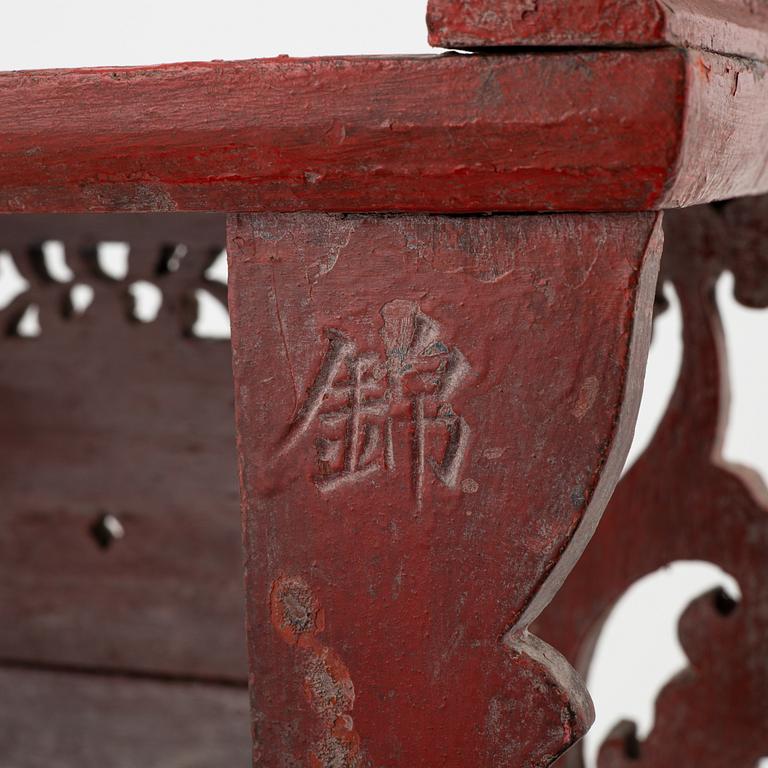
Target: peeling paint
(586, 398)
(294, 611)
(327, 684)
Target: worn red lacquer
(735, 27)
(579, 131)
(432, 413)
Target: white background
(639, 650)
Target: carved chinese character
(357, 397)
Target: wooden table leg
(432, 414)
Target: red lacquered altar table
(443, 273)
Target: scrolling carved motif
(683, 501)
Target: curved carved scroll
(681, 500)
(432, 414)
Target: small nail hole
(107, 530)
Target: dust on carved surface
(120, 545)
(686, 503)
(431, 413)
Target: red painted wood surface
(102, 415)
(432, 413)
(683, 501)
(735, 27)
(89, 721)
(572, 131)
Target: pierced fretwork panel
(156, 269)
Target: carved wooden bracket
(682, 501)
(432, 413)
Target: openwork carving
(682, 501)
(147, 275)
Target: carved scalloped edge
(683, 501)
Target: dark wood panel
(104, 415)
(452, 134)
(76, 721)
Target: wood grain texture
(105, 415)
(432, 413)
(84, 721)
(683, 501)
(494, 23)
(732, 27)
(453, 134)
(726, 130)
